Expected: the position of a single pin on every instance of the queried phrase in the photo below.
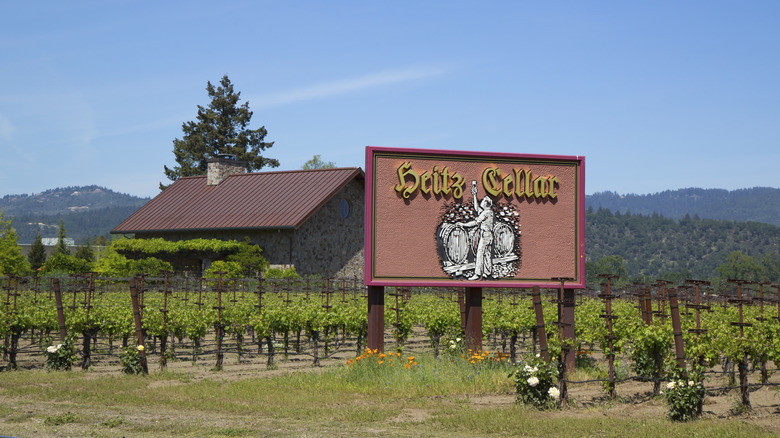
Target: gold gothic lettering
(439, 181)
(523, 184)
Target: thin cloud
(329, 89)
(6, 129)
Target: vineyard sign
(446, 218)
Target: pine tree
(37, 254)
(221, 128)
(62, 246)
(85, 252)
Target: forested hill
(87, 211)
(758, 204)
(67, 200)
(657, 247)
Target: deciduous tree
(317, 163)
(11, 259)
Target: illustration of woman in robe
(484, 220)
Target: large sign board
(474, 219)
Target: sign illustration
(479, 239)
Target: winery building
(309, 219)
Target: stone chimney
(222, 167)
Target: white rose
(670, 385)
(52, 349)
(533, 381)
(690, 383)
(554, 393)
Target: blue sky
(656, 95)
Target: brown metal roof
(263, 200)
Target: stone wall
(329, 244)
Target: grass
(429, 397)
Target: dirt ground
(634, 399)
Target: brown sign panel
(446, 218)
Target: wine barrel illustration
(503, 239)
(456, 242)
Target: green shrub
(130, 359)
(60, 357)
(684, 395)
(281, 273)
(65, 264)
(250, 258)
(114, 264)
(231, 269)
(535, 383)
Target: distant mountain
(87, 211)
(758, 204)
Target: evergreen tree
(11, 259)
(221, 128)
(85, 252)
(37, 255)
(62, 246)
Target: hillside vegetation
(87, 211)
(655, 246)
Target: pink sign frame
(401, 230)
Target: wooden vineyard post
(462, 307)
(60, 310)
(777, 288)
(513, 336)
(536, 298)
(139, 331)
(742, 365)
(646, 301)
(88, 332)
(761, 299)
(698, 306)
(328, 291)
(566, 302)
(13, 348)
(399, 339)
(607, 297)
(164, 337)
(376, 318)
(218, 329)
(259, 312)
(473, 333)
(674, 311)
(661, 312)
